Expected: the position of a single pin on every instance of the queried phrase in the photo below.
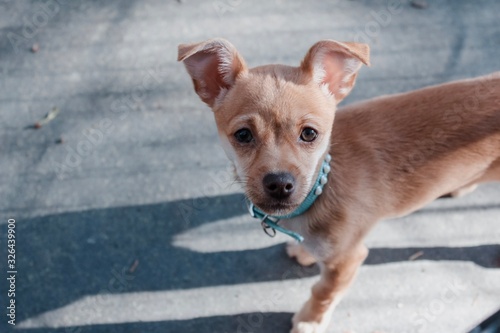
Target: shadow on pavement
(67, 256)
(487, 256)
(255, 322)
(64, 257)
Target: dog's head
(274, 121)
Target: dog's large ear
(335, 65)
(213, 65)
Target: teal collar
(270, 223)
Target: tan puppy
(390, 155)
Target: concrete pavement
(127, 218)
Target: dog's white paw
(306, 327)
(298, 252)
(305, 321)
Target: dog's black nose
(279, 185)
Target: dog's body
(390, 155)
(420, 145)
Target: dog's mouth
(277, 208)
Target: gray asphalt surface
(133, 224)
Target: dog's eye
(308, 134)
(243, 135)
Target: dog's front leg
(337, 275)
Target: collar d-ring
(271, 222)
(267, 228)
